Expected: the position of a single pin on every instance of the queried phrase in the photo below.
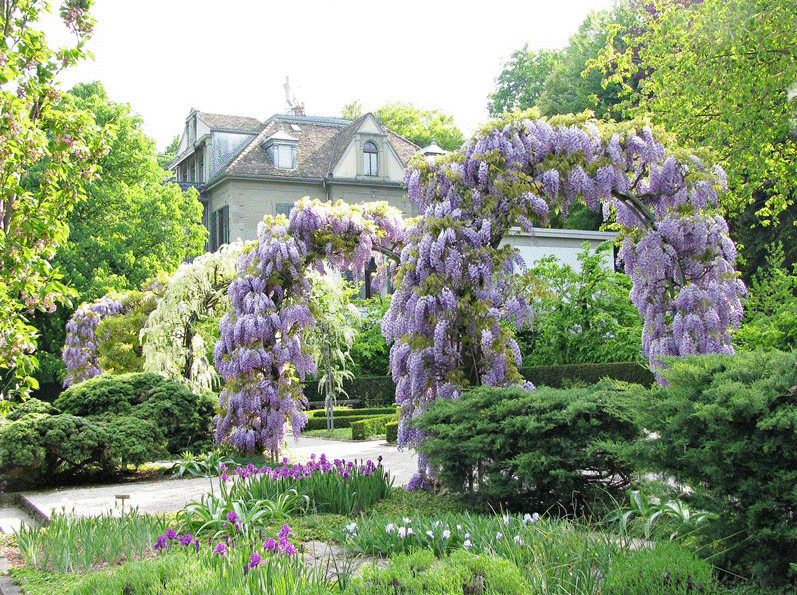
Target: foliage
(726, 427)
(454, 281)
(647, 511)
(37, 448)
(421, 126)
(462, 572)
(370, 391)
(391, 432)
(118, 346)
(332, 487)
(533, 449)
(71, 544)
(262, 353)
(181, 415)
(770, 320)
(552, 555)
(365, 428)
(49, 151)
(667, 569)
(683, 50)
(335, 331)
(172, 341)
(369, 351)
(203, 465)
(581, 316)
(569, 89)
(130, 226)
(522, 80)
(570, 375)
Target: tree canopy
(48, 151)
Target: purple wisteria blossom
(80, 346)
(455, 276)
(262, 353)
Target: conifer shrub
(183, 417)
(533, 450)
(727, 427)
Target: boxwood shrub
(391, 432)
(533, 450)
(365, 428)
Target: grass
(337, 433)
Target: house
(245, 169)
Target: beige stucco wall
(396, 197)
(251, 200)
(565, 244)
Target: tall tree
(721, 73)
(47, 150)
(522, 80)
(421, 126)
(129, 227)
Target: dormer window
(281, 147)
(370, 159)
(284, 156)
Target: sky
(165, 57)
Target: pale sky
(164, 57)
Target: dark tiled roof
(223, 122)
(321, 144)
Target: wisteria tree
(262, 354)
(455, 278)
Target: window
(370, 159)
(284, 156)
(283, 208)
(219, 228)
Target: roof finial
(294, 107)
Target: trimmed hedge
(533, 450)
(391, 432)
(565, 376)
(320, 423)
(371, 391)
(727, 427)
(349, 412)
(365, 428)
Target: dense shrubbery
(102, 424)
(727, 427)
(183, 416)
(532, 450)
(365, 428)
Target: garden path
(170, 495)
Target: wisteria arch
(262, 353)
(455, 290)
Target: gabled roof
(231, 123)
(320, 145)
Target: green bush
(391, 432)
(667, 569)
(183, 417)
(134, 441)
(422, 572)
(532, 450)
(565, 376)
(38, 447)
(365, 428)
(727, 427)
(371, 391)
(320, 423)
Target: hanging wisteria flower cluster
(454, 279)
(262, 353)
(80, 346)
